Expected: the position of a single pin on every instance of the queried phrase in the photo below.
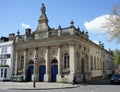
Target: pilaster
(59, 79)
(25, 60)
(72, 58)
(47, 75)
(16, 62)
(72, 62)
(35, 65)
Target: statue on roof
(43, 9)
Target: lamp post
(34, 79)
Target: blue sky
(87, 14)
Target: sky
(87, 15)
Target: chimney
(28, 32)
(11, 36)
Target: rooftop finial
(78, 28)
(59, 27)
(43, 9)
(18, 32)
(72, 23)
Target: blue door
(54, 72)
(42, 71)
(29, 73)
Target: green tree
(117, 56)
(113, 24)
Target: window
(1, 73)
(98, 63)
(7, 56)
(66, 60)
(91, 62)
(4, 50)
(5, 62)
(2, 62)
(94, 62)
(22, 62)
(5, 73)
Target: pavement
(39, 85)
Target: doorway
(42, 71)
(29, 73)
(54, 70)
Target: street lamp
(34, 79)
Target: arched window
(94, 62)
(91, 62)
(98, 63)
(66, 60)
(22, 63)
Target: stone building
(62, 54)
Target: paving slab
(39, 85)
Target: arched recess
(42, 69)
(30, 70)
(78, 62)
(22, 62)
(83, 69)
(82, 66)
(54, 70)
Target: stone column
(47, 75)
(59, 79)
(16, 62)
(93, 62)
(72, 58)
(25, 60)
(89, 62)
(72, 61)
(90, 71)
(35, 66)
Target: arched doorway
(42, 71)
(54, 70)
(83, 70)
(30, 71)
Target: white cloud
(96, 25)
(25, 25)
(96, 42)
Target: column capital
(47, 47)
(36, 48)
(72, 44)
(26, 49)
(60, 45)
(17, 50)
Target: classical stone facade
(62, 54)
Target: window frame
(66, 61)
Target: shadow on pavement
(98, 82)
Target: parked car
(115, 78)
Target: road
(99, 86)
(82, 88)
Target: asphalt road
(82, 88)
(95, 86)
